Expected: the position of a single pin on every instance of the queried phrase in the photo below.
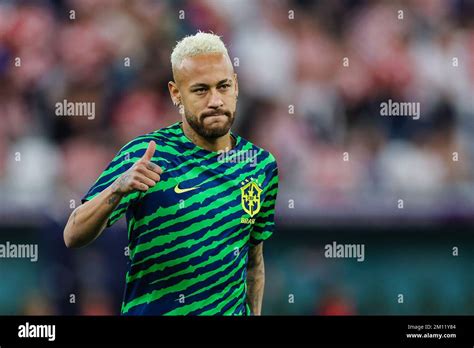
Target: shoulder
(163, 138)
(262, 155)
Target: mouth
(215, 118)
(215, 115)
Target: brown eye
(200, 90)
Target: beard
(213, 131)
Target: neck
(222, 143)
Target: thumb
(150, 151)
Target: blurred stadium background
(281, 62)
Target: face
(207, 89)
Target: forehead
(208, 68)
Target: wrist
(115, 189)
(114, 195)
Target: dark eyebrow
(223, 81)
(203, 85)
(198, 85)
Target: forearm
(88, 221)
(255, 279)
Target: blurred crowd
(312, 77)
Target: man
(197, 213)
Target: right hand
(141, 176)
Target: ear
(236, 85)
(174, 92)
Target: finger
(144, 180)
(150, 151)
(149, 174)
(154, 167)
(140, 186)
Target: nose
(215, 100)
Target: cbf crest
(251, 193)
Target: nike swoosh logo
(179, 190)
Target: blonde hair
(196, 44)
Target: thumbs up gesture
(141, 176)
